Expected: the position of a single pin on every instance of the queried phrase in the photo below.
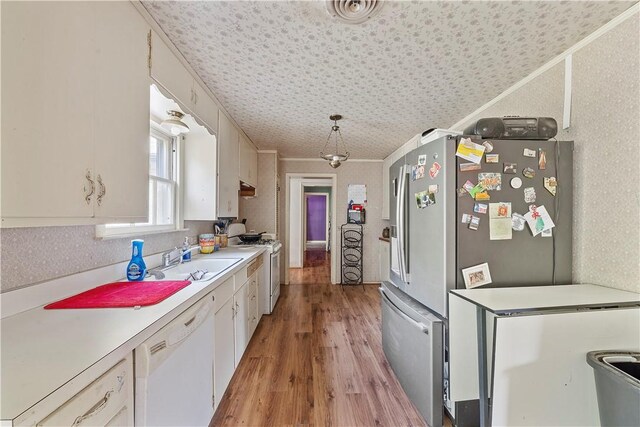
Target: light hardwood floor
(317, 361)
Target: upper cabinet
(75, 104)
(122, 113)
(228, 165)
(248, 172)
(167, 70)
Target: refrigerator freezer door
(398, 231)
(432, 226)
(412, 343)
(523, 259)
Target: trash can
(617, 376)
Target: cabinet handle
(87, 197)
(253, 297)
(94, 409)
(103, 190)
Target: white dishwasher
(174, 371)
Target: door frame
(333, 236)
(326, 219)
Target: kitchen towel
(122, 294)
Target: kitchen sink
(212, 266)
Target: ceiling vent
(354, 11)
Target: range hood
(247, 191)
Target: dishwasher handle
(385, 299)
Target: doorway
(309, 254)
(317, 223)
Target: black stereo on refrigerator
(540, 128)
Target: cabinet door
(168, 71)
(223, 361)
(205, 108)
(122, 114)
(252, 157)
(199, 189)
(228, 163)
(243, 168)
(48, 102)
(241, 321)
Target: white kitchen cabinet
(228, 164)
(108, 401)
(204, 108)
(122, 114)
(253, 312)
(171, 74)
(47, 108)
(224, 342)
(248, 167)
(200, 184)
(75, 109)
(241, 321)
(167, 70)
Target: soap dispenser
(137, 269)
(186, 253)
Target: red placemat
(122, 294)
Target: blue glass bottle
(137, 269)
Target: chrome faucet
(170, 257)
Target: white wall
(296, 256)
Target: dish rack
(351, 243)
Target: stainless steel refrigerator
(431, 245)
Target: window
(163, 187)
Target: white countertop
(44, 349)
(537, 298)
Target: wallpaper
(32, 255)
(605, 126)
(282, 67)
(367, 173)
(260, 211)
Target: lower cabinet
(108, 401)
(253, 312)
(241, 321)
(224, 341)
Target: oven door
(275, 278)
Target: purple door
(316, 218)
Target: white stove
(270, 282)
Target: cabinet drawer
(253, 308)
(101, 402)
(253, 285)
(241, 278)
(254, 266)
(222, 294)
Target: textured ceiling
(281, 68)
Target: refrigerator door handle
(421, 326)
(399, 224)
(400, 215)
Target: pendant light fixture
(174, 123)
(336, 159)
